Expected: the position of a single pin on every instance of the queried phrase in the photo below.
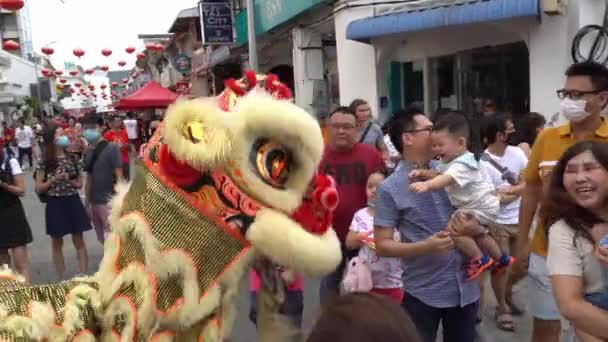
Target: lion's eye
(273, 162)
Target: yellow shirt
(547, 150)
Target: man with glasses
(350, 164)
(435, 285)
(583, 98)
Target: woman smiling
(577, 208)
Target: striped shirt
(437, 281)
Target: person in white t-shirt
(25, 139)
(386, 272)
(132, 130)
(503, 165)
(131, 126)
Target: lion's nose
(194, 131)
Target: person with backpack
(12, 215)
(503, 164)
(103, 166)
(58, 180)
(369, 132)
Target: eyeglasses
(425, 129)
(575, 94)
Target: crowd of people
(59, 152)
(423, 215)
(426, 214)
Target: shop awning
(363, 30)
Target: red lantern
(90, 71)
(48, 51)
(125, 80)
(159, 47)
(103, 86)
(92, 87)
(141, 55)
(150, 46)
(130, 50)
(72, 91)
(106, 52)
(78, 52)
(58, 73)
(122, 63)
(104, 68)
(12, 5)
(74, 73)
(46, 72)
(63, 81)
(10, 45)
(114, 84)
(78, 85)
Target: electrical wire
(598, 34)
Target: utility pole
(253, 47)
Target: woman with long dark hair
(59, 178)
(18, 233)
(576, 210)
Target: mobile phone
(604, 241)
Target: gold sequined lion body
(224, 182)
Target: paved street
(43, 271)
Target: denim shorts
(541, 303)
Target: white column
(308, 68)
(356, 61)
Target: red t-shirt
(121, 139)
(350, 170)
(9, 135)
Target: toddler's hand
(419, 187)
(366, 237)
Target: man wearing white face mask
(583, 98)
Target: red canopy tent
(151, 95)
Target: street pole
(253, 48)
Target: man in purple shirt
(433, 279)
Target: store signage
(182, 63)
(216, 22)
(270, 14)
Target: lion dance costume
(225, 183)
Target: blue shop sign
(216, 22)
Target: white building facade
(457, 54)
(16, 77)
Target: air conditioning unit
(553, 7)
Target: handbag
(43, 197)
(506, 173)
(367, 128)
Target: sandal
(515, 310)
(504, 322)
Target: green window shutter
(395, 82)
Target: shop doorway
(469, 79)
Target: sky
(93, 25)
